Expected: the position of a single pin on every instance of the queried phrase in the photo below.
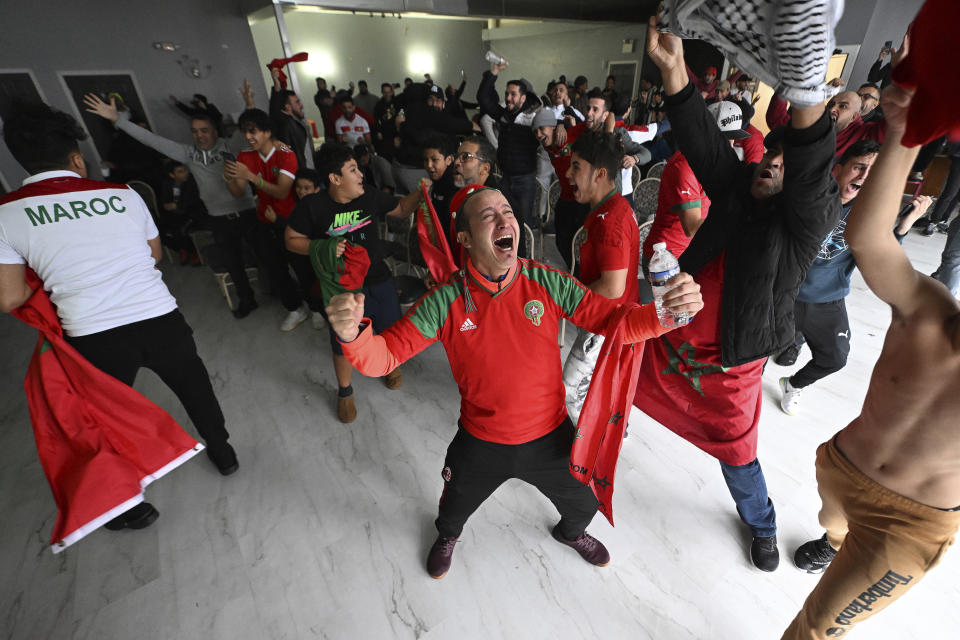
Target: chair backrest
(644, 232)
(553, 195)
(635, 176)
(541, 203)
(645, 198)
(528, 240)
(656, 170)
(145, 191)
(578, 239)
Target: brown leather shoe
(394, 379)
(346, 409)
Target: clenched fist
(344, 313)
(684, 295)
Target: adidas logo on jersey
(467, 325)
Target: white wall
(346, 47)
(47, 36)
(542, 52)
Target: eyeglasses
(864, 96)
(463, 156)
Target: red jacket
(100, 442)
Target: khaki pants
(886, 544)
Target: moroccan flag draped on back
(433, 240)
(99, 441)
(603, 420)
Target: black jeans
(949, 196)
(474, 468)
(521, 193)
(826, 329)
(165, 346)
(229, 234)
(569, 217)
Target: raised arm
(709, 154)
(372, 354)
(487, 92)
(169, 148)
(879, 256)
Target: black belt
(235, 215)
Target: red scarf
(603, 420)
(433, 240)
(930, 69)
(280, 63)
(99, 441)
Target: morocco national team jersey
(560, 159)
(679, 191)
(612, 243)
(501, 341)
(270, 167)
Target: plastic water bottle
(664, 266)
(493, 58)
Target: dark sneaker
(589, 548)
(140, 517)
(814, 556)
(788, 356)
(440, 557)
(764, 553)
(943, 227)
(244, 308)
(224, 458)
(929, 230)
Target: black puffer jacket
(517, 144)
(770, 245)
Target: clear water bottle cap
(660, 246)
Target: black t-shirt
(441, 194)
(319, 216)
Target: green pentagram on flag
(615, 418)
(687, 355)
(578, 434)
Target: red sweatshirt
(501, 341)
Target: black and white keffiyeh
(785, 43)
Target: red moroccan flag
(100, 442)
(433, 240)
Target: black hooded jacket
(517, 143)
(769, 245)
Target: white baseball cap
(729, 118)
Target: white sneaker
(294, 318)
(790, 401)
(316, 319)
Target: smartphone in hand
(226, 155)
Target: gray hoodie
(206, 167)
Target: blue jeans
(749, 491)
(949, 270)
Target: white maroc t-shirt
(87, 240)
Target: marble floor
(323, 531)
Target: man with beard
(289, 124)
(351, 129)
(560, 105)
(766, 224)
(517, 144)
(474, 162)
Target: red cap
(709, 70)
(456, 202)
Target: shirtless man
(890, 480)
